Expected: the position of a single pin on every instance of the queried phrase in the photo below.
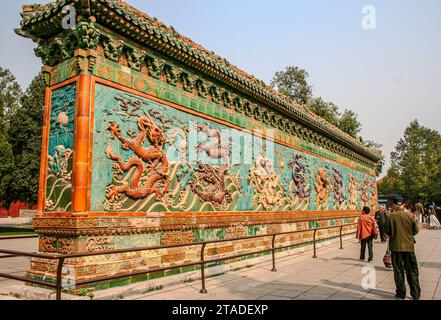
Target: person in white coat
(434, 223)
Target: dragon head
(153, 132)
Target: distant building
(14, 209)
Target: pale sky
(389, 76)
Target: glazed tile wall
(60, 150)
(149, 157)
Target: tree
(416, 164)
(374, 145)
(389, 185)
(293, 83)
(326, 110)
(25, 138)
(349, 123)
(10, 92)
(6, 165)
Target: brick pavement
(18, 265)
(335, 275)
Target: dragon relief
(150, 163)
(374, 200)
(300, 188)
(266, 182)
(209, 182)
(151, 152)
(214, 148)
(353, 187)
(338, 188)
(368, 196)
(322, 187)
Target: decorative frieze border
(101, 67)
(97, 224)
(131, 59)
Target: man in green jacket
(401, 228)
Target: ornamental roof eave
(44, 21)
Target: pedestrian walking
(438, 213)
(401, 229)
(366, 233)
(433, 220)
(380, 218)
(420, 212)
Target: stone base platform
(70, 235)
(25, 292)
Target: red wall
(14, 210)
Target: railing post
(315, 248)
(203, 290)
(274, 253)
(341, 238)
(59, 271)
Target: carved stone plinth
(100, 234)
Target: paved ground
(18, 265)
(336, 274)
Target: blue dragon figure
(301, 190)
(338, 187)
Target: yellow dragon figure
(322, 187)
(353, 191)
(365, 192)
(153, 158)
(267, 189)
(266, 182)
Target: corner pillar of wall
(82, 143)
(46, 72)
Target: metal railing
(202, 262)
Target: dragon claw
(114, 193)
(115, 129)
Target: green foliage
(375, 145)
(293, 83)
(6, 167)
(349, 123)
(416, 166)
(10, 93)
(26, 122)
(387, 186)
(25, 137)
(7, 231)
(326, 110)
(20, 138)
